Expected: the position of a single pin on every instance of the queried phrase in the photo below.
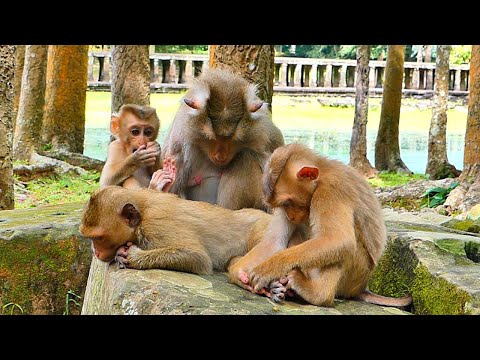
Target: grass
(393, 179)
(58, 190)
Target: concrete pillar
(90, 67)
(165, 71)
(458, 79)
(204, 65)
(107, 69)
(371, 77)
(343, 76)
(283, 74)
(173, 71)
(416, 78)
(188, 71)
(313, 75)
(429, 85)
(328, 75)
(297, 77)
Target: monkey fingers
(278, 289)
(121, 256)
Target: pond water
(325, 129)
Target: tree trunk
(358, 144)
(64, 118)
(438, 166)
(420, 53)
(32, 101)
(254, 62)
(130, 75)
(17, 80)
(428, 53)
(387, 148)
(471, 159)
(7, 68)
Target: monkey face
(135, 132)
(221, 150)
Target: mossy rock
(42, 257)
(468, 225)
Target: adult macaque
(220, 139)
(134, 156)
(326, 236)
(146, 229)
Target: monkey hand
(121, 256)
(281, 288)
(143, 157)
(262, 275)
(154, 145)
(161, 181)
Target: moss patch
(393, 275)
(38, 274)
(463, 225)
(405, 203)
(436, 296)
(452, 246)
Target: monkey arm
(187, 259)
(118, 166)
(333, 240)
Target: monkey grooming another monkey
(326, 236)
(220, 139)
(146, 229)
(134, 156)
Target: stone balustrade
(170, 72)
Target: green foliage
(386, 179)
(70, 297)
(47, 147)
(179, 49)
(436, 196)
(460, 54)
(59, 190)
(12, 307)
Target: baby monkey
(133, 159)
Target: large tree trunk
(254, 62)
(17, 79)
(358, 144)
(64, 118)
(32, 100)
(7, 68)
(438, 166)
(465, 196)
(130, 75)
(387, 148)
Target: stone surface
(124, 291)
(42, 257)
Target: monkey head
(110, 221)
(135, 125)
(290, 180)
(224, 110)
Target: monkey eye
(148, 132)
(288, 203)
(135, 132)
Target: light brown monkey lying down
(167, 232)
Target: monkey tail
(372, 298)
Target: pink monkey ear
(194, 104)
(308, 172)
(254, 107)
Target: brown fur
(126, 164)
(223, 134)
(171, 233)
(338, 224)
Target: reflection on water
(334, 144)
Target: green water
(326, 129)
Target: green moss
(37, 275)
(405, 203)
(436, 296)
(451, 246)
(463, 225)
(386, 179)
(472, 250)
(393, 275)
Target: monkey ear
(193, 103)
(115, 124)
(131, 215)
(254, 107)
(308, 172)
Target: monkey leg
(319, 287)
(193, 260)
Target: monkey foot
(279, 291)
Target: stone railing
(174, 71)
